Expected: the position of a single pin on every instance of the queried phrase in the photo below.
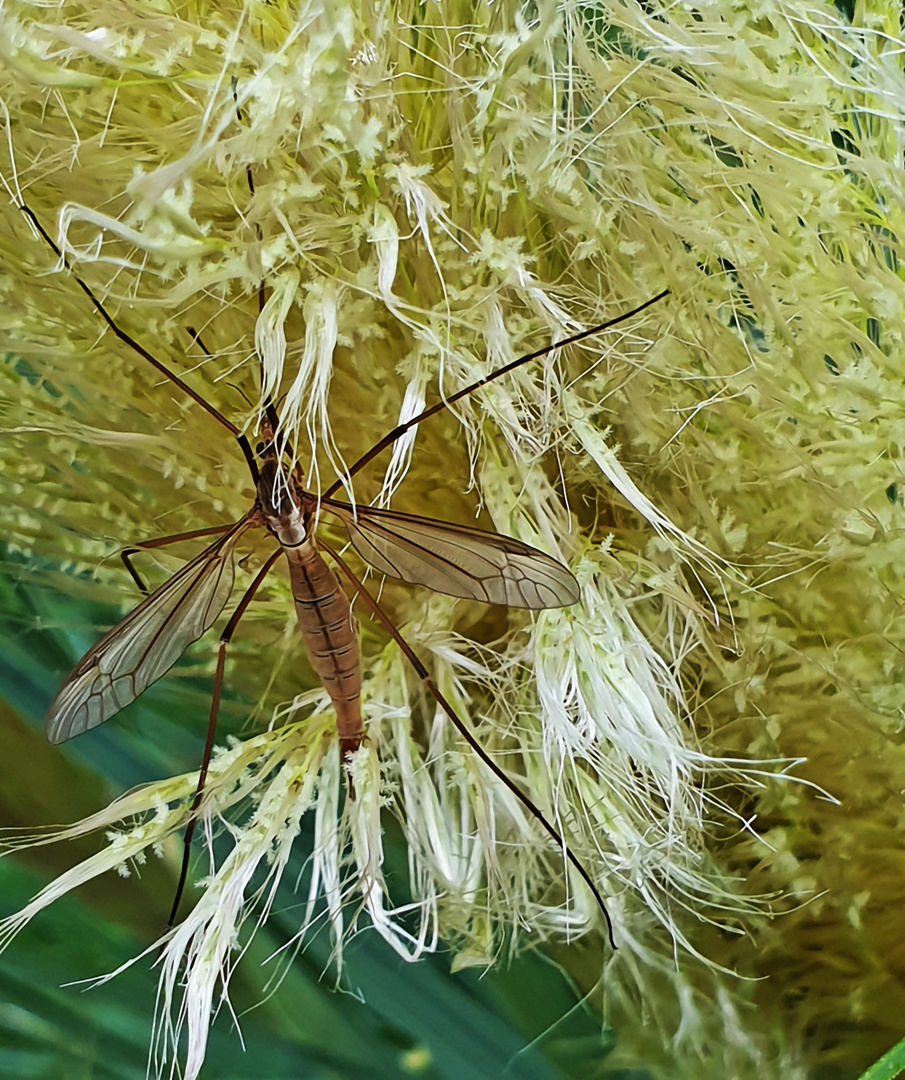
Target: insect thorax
(281, 504)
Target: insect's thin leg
(127, 339)
(401, 429)
(424, 675)
(162, 541)
(225, 639)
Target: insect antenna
(460, 726)
(401, 429)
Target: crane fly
(448, 558)
(451, 559)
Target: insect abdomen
(331, 637)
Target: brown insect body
(330, 634)
(322, 608)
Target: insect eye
(259, 449)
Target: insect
(448, 558)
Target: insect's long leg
(424, 675)
(225, 639)
(141, 350)
(162, 541)
(401, 429)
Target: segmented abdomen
(331, 637)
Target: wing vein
(455, 559)
(147, 642)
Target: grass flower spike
(283, 230)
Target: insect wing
(456, 560)
(145, 645)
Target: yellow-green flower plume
(356, 209)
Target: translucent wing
(146, 644)
(456, 560)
